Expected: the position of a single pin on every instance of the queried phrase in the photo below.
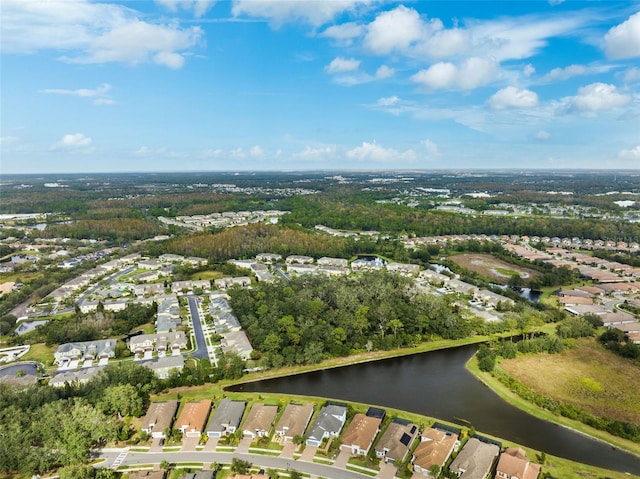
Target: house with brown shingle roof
(360, 434)
(396, 441)
(259, 420)
(159, 418)
(513, 464)
(193, 418)
(294, 421)
(435, 447)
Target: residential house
(151, 264)
(435, 448)
(268, 257)
(360, 434)
(294, 258)
(190, 286)
(195, 261)
(236, 342)
(475, 460)
(225, 322)
(329, 423)
(338, 262)
(80, 376)
(294, 421)
(513, 464)
(395, 443)
(259, 420)
(148, 289)
(158, 342)
(226, 418)
(99, 349)
(159, 418)
(193, 418)
(147, 474)
(404, 268)
(168, 318)
(171, 258)
(301, 268)
(224, 283)
(365, 264)
(163, 366)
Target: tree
(77, 471)
(293, 474)
(434, 470)
(396, 325)
(239, 466)
(165, 465)
(122, 399)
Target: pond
(437, 384)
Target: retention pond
(437, 384)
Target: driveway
(308, 454)
(245, 442)
(387, 470)
(190, 443)
(343, 458)
(288, 450)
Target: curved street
(123, 458)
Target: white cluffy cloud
(199, 7)
(379, 154)
(542, 135)
(87, 32)
(597, 97)
(73, 141)
(345, 33)
(471, 73)
(623, 41)
(632, 154)
(341, 65)
(278, 12)
(512, 97)
(100, 94)
(384, 72)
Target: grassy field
(587, 376)
(491, 267)
(207, 275)
(21, 277)
(530, 408)
(40, 353)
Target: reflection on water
(437, 384)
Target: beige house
(159, 418)
(259, 420)
(513, 464)
(294, 421)
(435, 448)
(360, 434)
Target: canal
(437, 384)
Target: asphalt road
(282, 463)
(201, 344)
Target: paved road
(201, 344)
(134, 458)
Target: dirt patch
(491, 267)
(587, 376)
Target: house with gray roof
(163, 366)
(396, 441)
(329, 423)
(81, 376)
(238, 343)
(475, 460)
(168, 318)
(225, 322)
(226, 418)
(98, 349)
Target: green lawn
(40, 353)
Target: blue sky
(201, 85)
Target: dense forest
(314, 318)
(44, 428)
(310, 211)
